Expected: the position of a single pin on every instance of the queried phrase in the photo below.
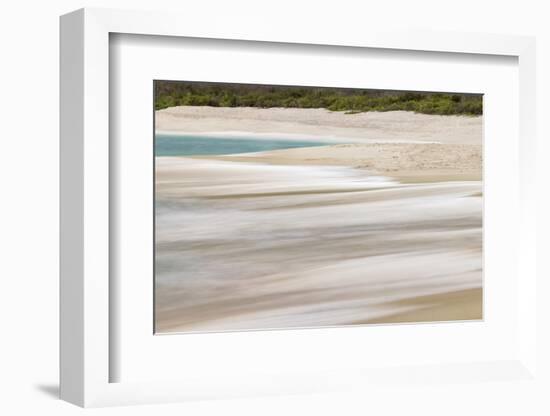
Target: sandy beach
(407, 162)
(391, 126)
(381, 225)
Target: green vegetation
(174, 93)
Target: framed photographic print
(278, 214)
(292, 207)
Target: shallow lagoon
(194, 145)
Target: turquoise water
(190, 145)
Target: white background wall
(29, 207)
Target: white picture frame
(86, 355)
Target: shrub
(172, 93)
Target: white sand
(393, 126)
(409, 162)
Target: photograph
(287, 207)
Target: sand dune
(391, 126)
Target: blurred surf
(257, 246)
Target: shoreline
(403, 145)
(406, 162)
(234, 134)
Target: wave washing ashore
(363, 231)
